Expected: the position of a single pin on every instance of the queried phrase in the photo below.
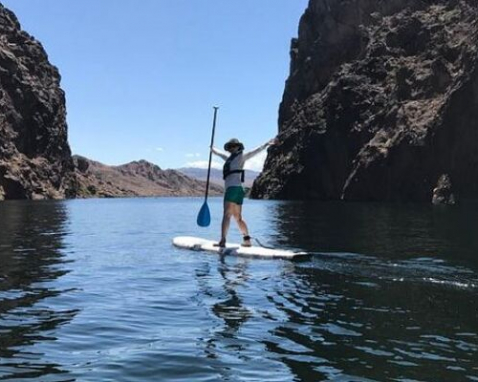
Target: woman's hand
(273, 142)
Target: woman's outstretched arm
(257, 150)
(219, 153)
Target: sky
(141, 77)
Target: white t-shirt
(234, 180)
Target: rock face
(380, 104)
(35, 158)
(443, 192)
(139, 178)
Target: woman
(233, 174)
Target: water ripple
(109, 298)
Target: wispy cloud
(203, 164)
(256, 163)
(160, 149)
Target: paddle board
(198, 244)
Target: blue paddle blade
(204, 216)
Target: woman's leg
(237, 213)
(226, 221)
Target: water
(92, 290)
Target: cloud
(203, 164)
(256, 163)
(193, 155)
(159, 149)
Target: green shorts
(234, 194)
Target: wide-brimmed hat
(233, 142)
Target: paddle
(204, 216)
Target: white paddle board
(198, 244)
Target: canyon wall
(35, 158)
(381, 104)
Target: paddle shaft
(210, 153)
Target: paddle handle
(210, 152)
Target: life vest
(226, 170)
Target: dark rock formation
(382, 99)
(443, 192)
(35, 159)
(139, 178)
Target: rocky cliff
(139, 178)
(35, 158)
(381, 103)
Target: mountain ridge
(136, 178)
(216, 175)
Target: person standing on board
(233, 174)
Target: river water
(92, 290)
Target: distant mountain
(216, 175)
(138, 178)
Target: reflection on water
(226, 305)
(405, 310)
(92, 290)
(231, 309)
(30, 262)
(383, 230)
(339, 327)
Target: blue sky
(141, 77)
